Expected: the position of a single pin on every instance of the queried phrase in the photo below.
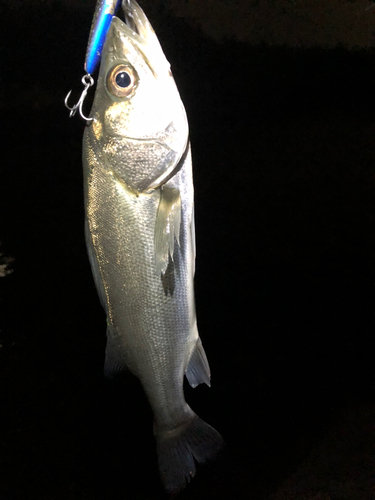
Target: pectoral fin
(167, 227)
(198, 370)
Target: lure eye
(121, 80)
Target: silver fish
(140, 237)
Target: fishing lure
(104, 12)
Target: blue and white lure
(104, 12)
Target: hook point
(87, 81)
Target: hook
(87, 81)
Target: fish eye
(121, 80)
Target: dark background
(283, 155)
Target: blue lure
(104, 12)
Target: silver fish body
(140, 237)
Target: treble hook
(88, 82)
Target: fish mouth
(138, 31)
(137, 22)
(138, 27)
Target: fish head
(139, 122)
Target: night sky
(279, 101)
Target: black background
(283, 156)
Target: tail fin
(177, 450)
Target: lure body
(105, 10)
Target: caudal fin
(177, 450)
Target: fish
(140, 236)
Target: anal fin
(114, 362)
(167, 227)
(95, 268)
(198, 370)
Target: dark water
(284, 158)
